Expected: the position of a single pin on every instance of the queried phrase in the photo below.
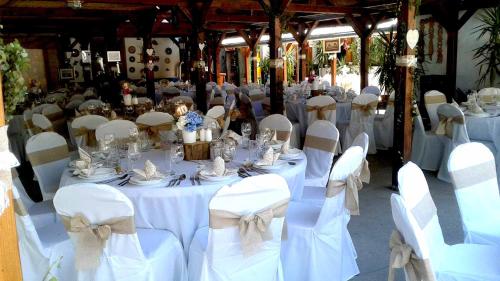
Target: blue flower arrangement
(190, 122)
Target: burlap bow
(253, 228)
(88, 136)
(366, 109)
(90, 240)
(37, 130)
(321, 110)
(28, 124)
(402, 255)
(48, 155)
(445, 126)
(55, 116)
(365, 172)
(352, 185)
(220, 120)
(435, 99)
(154, 130)
(324, 144)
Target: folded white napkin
(269, 158)
(218, 168)
(476, 109)
(285, 147)
(149, 172)
(83, 166)
(233, 135)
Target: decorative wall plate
(131, 49)
(156, 68)
(75, 53)
(168, 51)
(131, 59)
(154, 42)
(131, 69)
(168, 69)
(167, 60)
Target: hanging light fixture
(74, 4)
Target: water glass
(168, 161)
(246, 131)
(144, 141)
(177, 153)
(133, 134)
(133, 154)
(252, 150)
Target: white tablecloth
(183, 209)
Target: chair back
(28, 122)
(432, 100)
(87, 103)
(489, 95)
(362, 140)
(56, 97)
(280, 124)
(155, 118)
(41, 123)
(374, 90)
(120, 128)
(233, 213)
(320, 144)
(83, 129)
(321, 108)
(78, 97)
(49, 157)
(188, 101)
(474, 178)
(144, 100)
(74, 104)
(39, 108)
(362, 117)
(452, 123)
(418, 202)
(341, 198)
(86, 209)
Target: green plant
(355, 50)
(320, 57)
(489, 52)
(264, 65)
(387, 70)
(290, 63)
(377, 51)
(13, 61)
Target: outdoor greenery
(387, 70)
(489, 53)
(290, 64)
(320, 57)
(13, 61)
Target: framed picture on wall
(66, 74)
(114, 56)
(331, 46)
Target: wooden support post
(252, 41)
(334, 70)
(364, 68)
(403, 121)
(10, 264)
(301, 36)
(276, 65)
(198, 69)
(148, 67)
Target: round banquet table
(183, 209)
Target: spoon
(181, 178)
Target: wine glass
(133, 134)
(106, 147)
(246, 131)
(252, 149)
(133, 154)
(177, 153)
(106, 108)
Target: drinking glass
(246, 131)
(177, 153)
(168, 161)
(106, 147)
(133, 134)
(133, 154)
(144, 141)
(252, 149)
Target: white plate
(100, 174)
(277, 165)
(138, 180)
(483, 114)
(219, 179)
(290, 156)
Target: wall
(467, 71)
(167, 64)
(37, 68)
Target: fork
(191, 178)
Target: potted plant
(488, 53)
(189, 124)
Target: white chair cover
(155, 118)
(39, 108)
(90, 92)
(432, 100)
(85, 104)
(44, 251)
(383, 129)
(328, 111)
(362, 116)
(363, 141)
(74, 104)
(374, 90)
(48, 154)
(213, 115)
(28, 122)
(474, 178)
(280, 124)
(320, 144)
(120, 128)
(217, 252)
(319, 244)
(134, 254)
(41, 122)
(489, 95)
(188, 101)
(452, 123)
(89, 122)
(144, 100)
(427, 147)
(415, 216)
(76, 97)
(57, 97)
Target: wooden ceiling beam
(237, 18)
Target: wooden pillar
(297, 68)
(148, 67)
(10, 264)
(302, 62)
(365, 59)
(252, 41)
(276, 65)
(403, 121)
(333, 70)
(198, 69)
(301, 36)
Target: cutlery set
(176, 181)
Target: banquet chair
(489, 95)
(41, 124)
(156, 124)
(383, 128)
(418, 230)
(216, 101)
(362, 116)
(451, 125)
(363, 141)
(73, 104)
(120, 251)
(321, 108)
(336, 91)
(41, 213)
(120, 128)
(215, 114)
(320, 144)
(432, 100)
(90, 93)
(231, 247)
(319, 246)
(83, 129)
(374, 90)
(48, 154)
(474, 178)
(28, 122)
(76, 97)
(39, 108)
(55, 97)
(43, 250)
(87, 103)
(56, 116)
(144, 100)
(280, 124)
(188, 101)
(427, 147)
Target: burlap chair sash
(90, 240)
(55, 116)
(28, 124)
(445, 126)
(424, 210)
(435, 99)
(321, 110)
(253, 228)
(221, 121)
(351, 185)
(366, 109)
(364, 176)
(19, 207)
(324, 144)
(37, 130)
(154, 130)
(473, 175)
(487, 98)
(257, 97)
(87, 134)
(48, 155)
(403, 256)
